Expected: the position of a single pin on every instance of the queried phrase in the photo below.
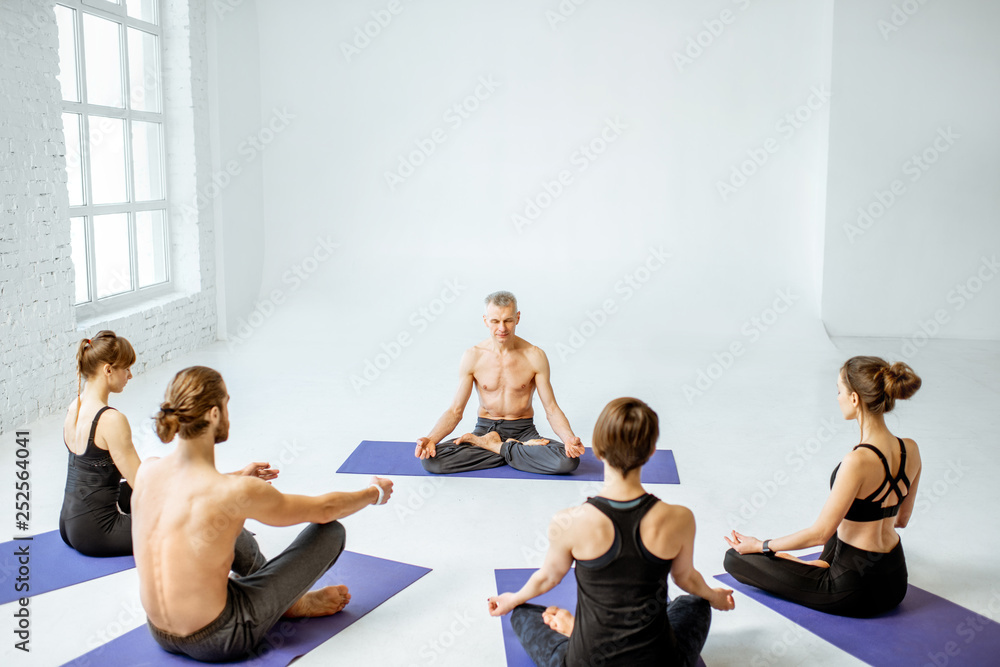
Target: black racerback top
(92, 478)
(621, 609)
(870, 508)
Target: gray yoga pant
(547, 459)
(257, 599)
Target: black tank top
(92, 478)
(621, 609)
(870, 508)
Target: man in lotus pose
(505, 370)
(187, 528)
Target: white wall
(234, 70)
(908, 78)
(344, 121)
(39, 330)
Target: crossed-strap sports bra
(870, 508)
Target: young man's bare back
(188, 535)
(505, 370)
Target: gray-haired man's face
(501, 322)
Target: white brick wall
(38, 324)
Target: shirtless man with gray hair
(505, 371)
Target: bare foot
(559, 620)
(490, 441)
(324, 602)
(536, 441)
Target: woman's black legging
(858, 583)
(101, 531)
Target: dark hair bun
(900, 381)
(167, 422)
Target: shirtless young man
(505, 370)
(187, 527)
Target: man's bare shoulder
(473, 355)
(480, 348)
(533, 354)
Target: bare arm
(268, 505)
(557, 419)
(259, 469)
(558, 560)
(118, 435)
(845, 489)
(453, 415)
(684, 573)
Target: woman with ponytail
(95, 516)
(861, 571)
(96, 513)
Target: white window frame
(97, 307)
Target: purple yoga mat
(376, 457)
(924, 631)
(563, 595)
(52, 565)
(371, 581)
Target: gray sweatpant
(547, 459)
(263, 592)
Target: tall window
(110, 74)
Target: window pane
(107, 160)
(65, 20)
(144, 70)
(147, 160)
(150, 245)
(78, 248)
(102, 60)
(71, 130)
(111, 254)
(144, 10)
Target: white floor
(293, 405)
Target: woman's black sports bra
(870, 508)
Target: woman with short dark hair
(624, 542)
